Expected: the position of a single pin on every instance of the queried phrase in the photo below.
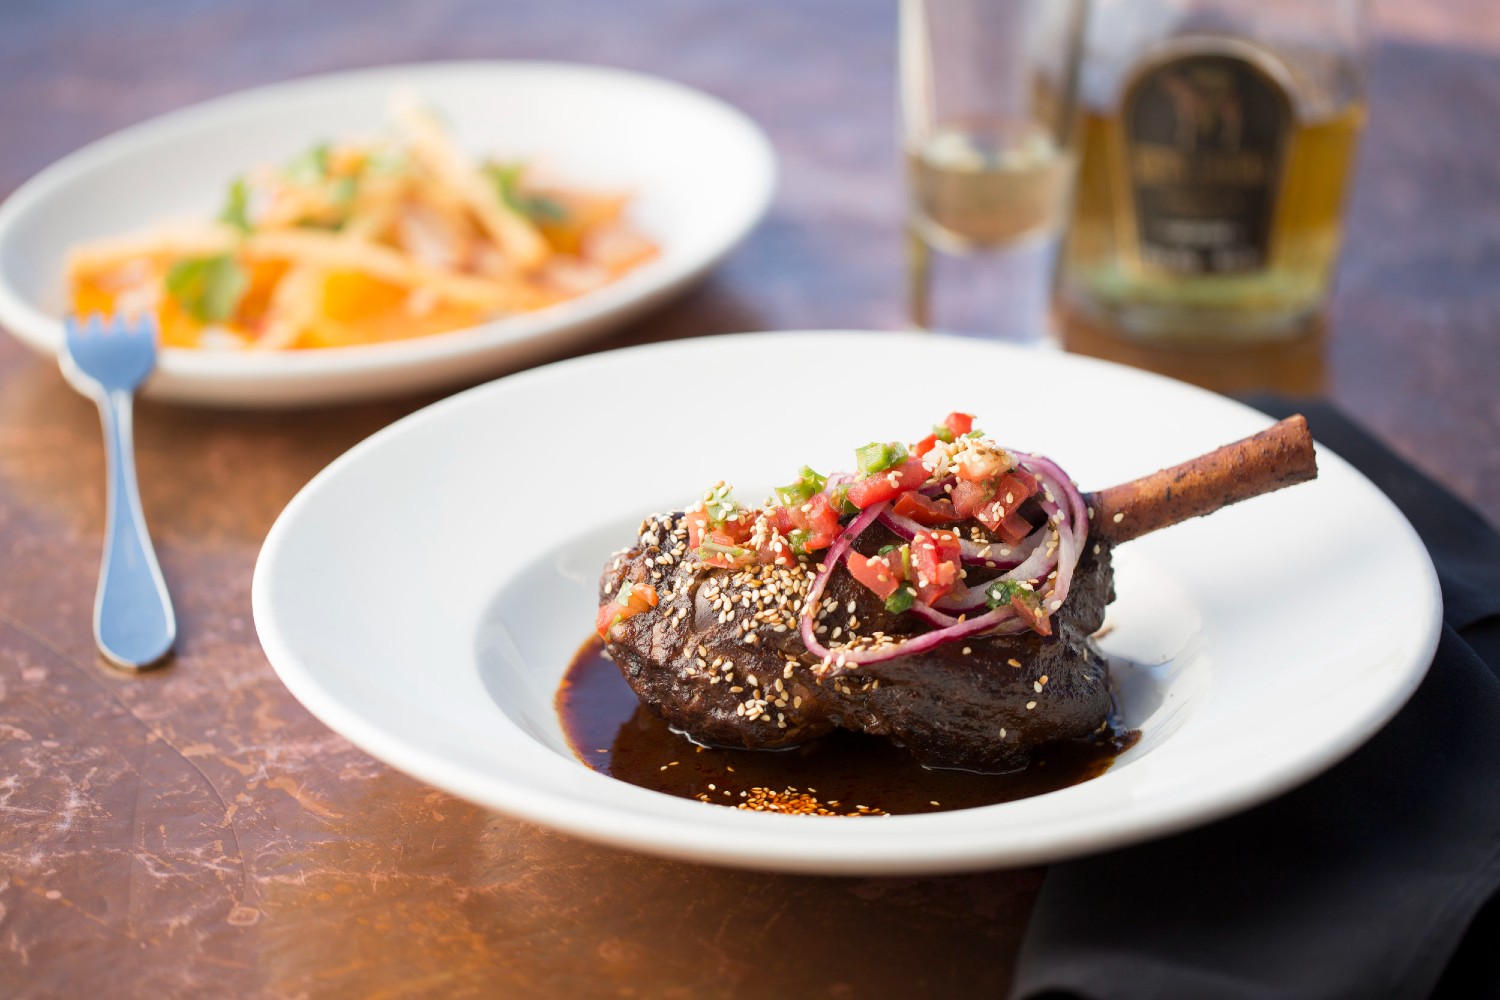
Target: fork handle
(133, 621)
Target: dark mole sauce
(842, 773)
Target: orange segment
(357, 309)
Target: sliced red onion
(934, 490)
(838, 659)
(1056, 546)
(830, 561)
(1034, 568)
(1072, 525)
(932, 616)
(1039, 561)
(973, 552)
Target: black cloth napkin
(1378, 878)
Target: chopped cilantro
(719, 505)
(507, 180)
(841, 501)
(236, 211)
(1001, 592)
(877, 456)
(732, 551)
(208, 288)
(342, 191)
(807, 485)
(540, 208)
(901, 599)
(309, 167)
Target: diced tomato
(735, 530)
(992, 514)
(776, 551)
(959, 423)
(816, 517)
(935, 560)
(1002, 519)
(1025, 479)
(642, 597)
(697, 522)
(925, 445)
(969, 497)
(887, 485)
(924, 510)
(822, 522)
(950, 549)
(882, 574)
(1014, 488)
(1032, 615)
(1013, 528)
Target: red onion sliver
(840, 547)
(972, 550)
(1036, 559)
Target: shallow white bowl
(702, 172)
(424, 594)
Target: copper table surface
(194, 830)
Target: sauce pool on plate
(841, 774)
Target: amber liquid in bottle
(1205, 231)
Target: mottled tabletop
(194, 831)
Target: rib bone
(1280, 456)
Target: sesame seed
(1119, 517)
(1013, 662)
(1030, 705)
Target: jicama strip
(430, 145)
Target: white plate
(702, 172)
(424, 593)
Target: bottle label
(1204, 142)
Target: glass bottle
(1217, 143)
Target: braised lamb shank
(722, 654)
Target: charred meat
(943, 597)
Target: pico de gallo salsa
(990, 536)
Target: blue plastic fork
(107, 361)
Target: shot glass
(988, 115)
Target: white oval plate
(424, 593)
(702, 173)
